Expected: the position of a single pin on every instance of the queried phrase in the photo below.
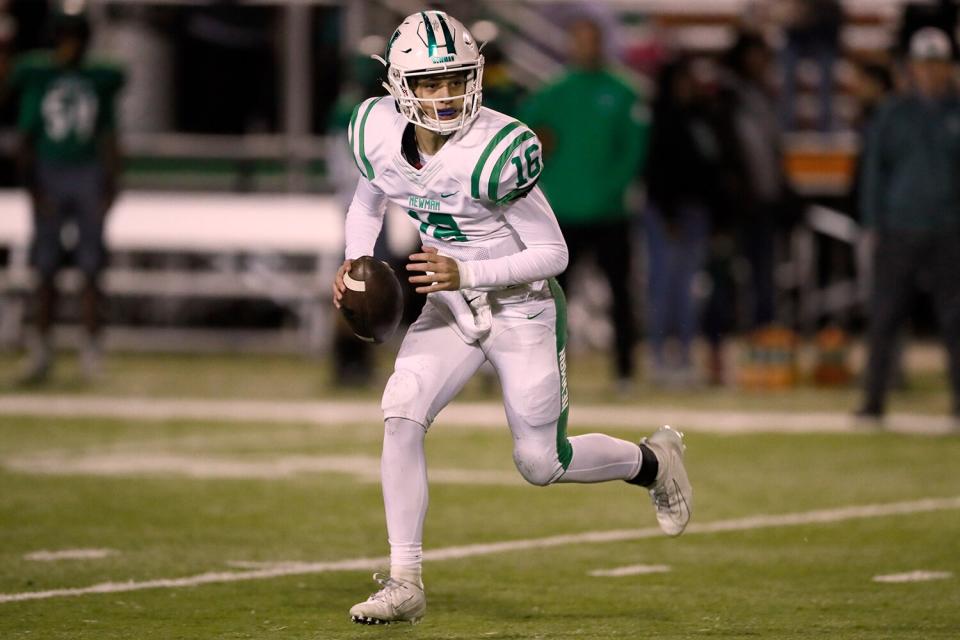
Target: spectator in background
(594, 130)
(873, 84)
(500, 91)
(722, 194)
(764, 197)
(682, 174)
(69, 163)
(812, 31)
(910, 200)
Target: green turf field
(279, 377)
(246, 530)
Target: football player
(70, 164)
(467, 177)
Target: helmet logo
(432, 46)
(441, 59)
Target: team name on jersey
(418, 202)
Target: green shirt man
(595, 129)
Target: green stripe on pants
(564, 450)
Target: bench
(281, 248)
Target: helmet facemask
(422, 111)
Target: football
(373, 302)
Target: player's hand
(338, 285)
(444, 273)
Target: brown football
(373, 302)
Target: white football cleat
(671, 492)
(396, 601)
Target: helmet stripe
(431, 36)
(475, 178)
(494, 183)
(451, 43)
(393, 38)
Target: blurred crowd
(666, 168)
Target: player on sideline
(467, 176)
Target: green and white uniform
(65, 112)
(477, 201)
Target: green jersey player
(467, 177)
(69, 162)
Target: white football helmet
(432, 43)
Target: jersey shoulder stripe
(510, 163)
(358, 138)
(496, 174)
(494, 141)
(350, 128)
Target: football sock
(648, 468)
(599, 458)
(409, 574)
(403, 473)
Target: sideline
(823, 516)
(340, 413)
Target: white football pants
(526, 344)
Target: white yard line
(362, 468)
(824, 516)
(631, 570)
(68, 554)
(470, 414)
(914, 576)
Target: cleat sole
(377, 621)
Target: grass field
(223, 529)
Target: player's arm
(545, 254)
(362, 226)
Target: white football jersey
(457, 198)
